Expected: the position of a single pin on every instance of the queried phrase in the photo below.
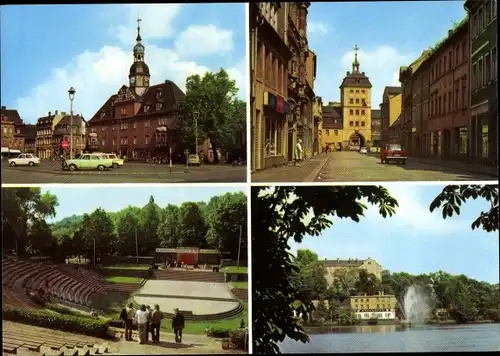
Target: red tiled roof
(12, 115)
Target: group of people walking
(149, 321)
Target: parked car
(363, 150)
(194, 160)
(393, 152)
(117, 161)
(24, 159)
(88, 161)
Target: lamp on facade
(71, 93)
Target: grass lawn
(117, 279)
(235, 269)
(198, 327)
(240, 284)
(133, 267)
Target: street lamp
(71, 93)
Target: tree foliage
(211, 101)
(283, 212)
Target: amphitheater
(202, 295)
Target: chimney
(347, 73)
(3, 107)
(50, 113)
(363, 73)
(56, 112)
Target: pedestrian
(129, 321)
(298, 152)
(178, 324)
(148, 325)
(141, 318)
(156, 317)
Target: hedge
(66, 311)
(239, 339)
(88, 326)
(219, 333)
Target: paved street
(355, 167)
(131, 172)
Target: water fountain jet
(415, 306)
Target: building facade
(318, 125)
(380, 306)
(376, 132)
(332, 135)
(138, 121)
(390, 111)
(12, 136)
(62, 135)
(29, 133)
(483, 64)
(355, 97)
(369, 265)
(44, 134)
(282, 73)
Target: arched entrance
(356, 140)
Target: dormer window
(159, 106)
(123, 111)
(103, 114)
(159, 93)
(146, 108)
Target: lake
(391, 338)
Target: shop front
(275, 147)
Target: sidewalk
(306, 172)
(462, 166)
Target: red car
(393, 152)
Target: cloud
(317, 28)
(100, 73)
(414, 213)
(380, 64)
(204, 40)
(157, 22)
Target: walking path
(305, 172)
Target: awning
(5, 149)
(14, 151)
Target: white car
(117, 161)
(363, 150)
(24, 159)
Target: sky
(414, 240)
(388, 34)
(78, 200)
(46, 49)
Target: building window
(362, 123)
(159, 94)
(357, 112)
(357, 101)
(336, 132)
(158, 106)
(362, 112)
(103, 142)
(146, 123)
(351, 91)
(480, 24)
(351, 123)
(351, 101)
(474, 77)
(487, 72)
(123, 111)
(103, 114)
(487, 12)
(450, 56)
(146, 108)
(484, 141)
(146, 140)
(450, 101)
(445, 62)
(439, 106)
(464, 93)
(444, 103)
(457, 95)
(259, 59)
(113, 127)
(351, 112)
(273, 138)
(357, 123)
(134, 125)
(363, 91)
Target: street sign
(64, 144)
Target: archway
(356, 140)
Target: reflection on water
(391, 338)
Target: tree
(148, 226)
(168, 229)
(24, 211)
(126, 229)
(346, 278)
(452, 196)
(97, 226)
(305, 257)
(367, 283)
(278, 214)
(226, 215)
(192, 227)
(210, 100)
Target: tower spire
(138, 39)
(355, 64)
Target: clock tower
(139, 70)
